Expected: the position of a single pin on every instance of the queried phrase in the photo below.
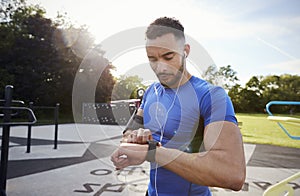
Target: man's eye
(152, 60)
(169, 57)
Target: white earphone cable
(162, 127)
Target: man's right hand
(139, 136)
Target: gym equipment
(283, 187)
(8, 110)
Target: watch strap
(151, 150)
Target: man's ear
(186, 50)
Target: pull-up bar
(279, 119)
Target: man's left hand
(129, 154)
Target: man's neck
(185, 78)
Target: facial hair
(177, 76)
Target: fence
(114, 113)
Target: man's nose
(162, 67)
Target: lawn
(256, 128)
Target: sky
(255, 37)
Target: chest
(171, 114)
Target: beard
(168, 80)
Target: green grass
(257, 129)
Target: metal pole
(5, 138)
(56, 113)
(29, 130)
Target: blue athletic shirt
(172, 115)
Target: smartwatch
(152, 144)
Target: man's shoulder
(199, 83)
(152, 88)
(203, 87)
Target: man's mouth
(164, 76)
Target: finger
(129, 140)
(118, 154)
(124, 139)
(122, 163)
(144, 139)
(148, 135)
(130, 137)
(140, 135)
(145, 136)
(117, 158)
(134, 136)
(114, 156)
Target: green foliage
(8, 8)
(40, 57)
(225, 76)
(258, 91)
(261, 90)
(210, 74)
(126, 87)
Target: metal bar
(279, 124)
(282, 187)
(280, 103)
(14, 101)
(33, 118)
(29, 131)
(56, 113)
(5, 138)
(28, 139)
(44, 107)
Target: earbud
(185, 54)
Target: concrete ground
(81, 165)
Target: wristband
(151, 150)
(134, 123)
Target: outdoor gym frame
(9, 111)
(56, 115)
(6, 124)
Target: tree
(235, 96)
(41, 57)
(285, 87)
(8, 7)
(126, 87)
(229, 76)
(23, 43)
(260, 90)
(244, 99)
(225, 76)
(210, 74)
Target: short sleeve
(217, 106)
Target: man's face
(165, 55)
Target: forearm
(222, 165)
(208, 169)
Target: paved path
(81, 166)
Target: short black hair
(165, 25)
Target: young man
(185, 127)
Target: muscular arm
(222, 165)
